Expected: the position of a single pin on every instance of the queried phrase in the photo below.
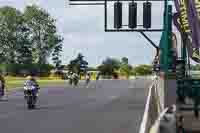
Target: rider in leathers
(31, 81)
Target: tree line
(113, 67)
(110, 67)
(28, 38)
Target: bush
(60, 74)
(142, 70)
(25, 69)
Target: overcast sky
(83, 30)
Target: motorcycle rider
(70, 78)
(87, 78)
(75, 78)
(98, 76)
(31, 81)
(2, 85)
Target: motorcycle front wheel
(30, 102)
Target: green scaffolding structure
(166, 56)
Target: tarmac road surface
(105, 106)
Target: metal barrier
(156, 119)
(151, 112)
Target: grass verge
(15, 83)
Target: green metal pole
(165, 39)
(166, 57)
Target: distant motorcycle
(70, 81)
(76, 80)
(30, 93)
(1, 89)
(87, 81)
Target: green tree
(78, 65)
(124, 60)
(142, 70)
(24, 47)
(109, 66)
(125, 68)
(56, 55)
(9, 26)
(28, 38)
(43, 33)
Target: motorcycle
(30, 96)
(87, 81)
(1, 93)
(1, 89)
(70, 81)
(76, 80)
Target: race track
(106, 106)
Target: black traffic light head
(132, 15)
(117, 15)
(147, 15)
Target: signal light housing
(132, 15)
(147, 15)
(117, 15)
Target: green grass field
(17, 82)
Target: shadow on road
(3, 100)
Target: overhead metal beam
(94, 2)
(131, 30)
(82, 4)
